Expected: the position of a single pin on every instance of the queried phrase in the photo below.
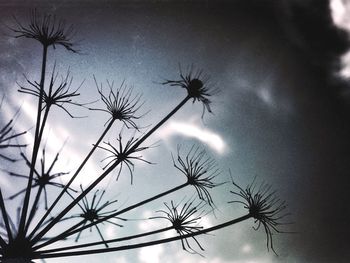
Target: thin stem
(73, 178)
(34, 207)
(5, 217)
(74, 228)
(108, 241)
(103, 175)
(138, 143)
(46, 114)
(145, 244)
(2, 242)
(37, 140)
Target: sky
(281, 113)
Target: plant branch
(140, 245)
(74, 229)
(5, 217)
(37, 141)
(34, 207)
(108, 241)
(73, 178)
(103, 175)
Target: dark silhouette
(28, 239)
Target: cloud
(340, 11)
(193, 130)
(151, 254)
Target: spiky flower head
(184, 220)
(200, 171)
(47, 30)
(121, 104)
(264, 206)
(6, 136)
(197, 85)
(57, 95)
(123, 155)
(44, 176)
(95, 209)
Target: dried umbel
(123, 154)
(47, 30)
(58, 94)
(121, 104)
(44, 176)
(185, 221)
(197, 85)
(95, 209)
(7, 137)
(264, 206)
(200, 171)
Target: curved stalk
(74, 229)
(21, 228)
(34, 207)
(109, 241)
(5, 217)
(140, 245)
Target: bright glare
(151, 254)
(340, 10)
(192, 130)
(246, 248)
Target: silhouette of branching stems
(29, 238)
(7, 136)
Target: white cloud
(193, 130)
(152, 254)
(340, 11)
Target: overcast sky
(282, 113)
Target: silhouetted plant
(57, 95)
(264, 206)
(123, 155)
(197, 86)
(44, 176)
(200, 171)
(92, 211)
(7, 136)
(184, 221)
(121, 105)
(47, 30)
(26, 236)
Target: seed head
(200, 171)
(47, 30)
(121, 104)
(58, 95)
(123, 155)
(197, 86)
(95, 209)
(264, 207)
(184, 220)
(44, 176)
(7, 134)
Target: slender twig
(75, 229)
(40, 254)
(37, 141)
(109, 241)
(5, 217)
